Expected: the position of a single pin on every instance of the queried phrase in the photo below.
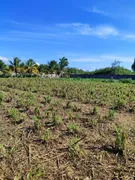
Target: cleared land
(66, 129)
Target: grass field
(66, 129)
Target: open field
(66, 129)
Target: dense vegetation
(66, 129)
(30, 67)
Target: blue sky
(90, 33)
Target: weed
(13, 113)
(56, 119)
(74, 148)
(120, 142)
(47, 99)
(73, 128)
(111, 114)
(1, 97)
(95, 110)
(46, 136)
(36, 122)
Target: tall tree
(53, 66)
(63, 63)
(31, 66)
(15, 64)
(43, 68)
(2, 66)
(133, 66)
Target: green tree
(133, 66)
(53, 66)
(31, 66)
(63, 63)
(2, 66)
(43, 68)
(15, 64)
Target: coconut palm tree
(53, 66)
(31, 66)
(15, 64)
(63, 63)
(2, 66)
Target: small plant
(46, 136)
(111, 114)
(119, 104)
(94, 122)
(95, 110)
(35, 173)
(69, 105)
(73, 128)
(37, 110)
(47, 99)
(13, 113)
(120, 142)
(74, 148)
(56, 119)
(36, 122)
(1, 97)
(71, 115)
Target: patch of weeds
(111, 114)
(35, 173)
(95, 110)
(57, 120)
(1, 97)
(69, 105)
(120, 142)
(120, 104)
(14, 114)
(47, 99)
(73, 128)
(37, 110)
(71, 115)
(74, 148)
(94, 122)
(46, 136)
(36, 122)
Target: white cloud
(128, 37)
(98, 11)
(85, 29)
(5, 59)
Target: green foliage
(111, 114)
(129, 80)
(56, 119)
(95, 110)
(46, 136)
(120, 142)
(36, 122)
(112, 70)
(1, 97)
(73, 128)
(13, 113)
(47, 99)
(74, 148)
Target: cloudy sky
(90, 33)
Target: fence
(103, 76)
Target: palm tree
(63, 63)
(15, 65)
(2, 66)
(31, 66)
(53, 66)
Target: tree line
(17, 66)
